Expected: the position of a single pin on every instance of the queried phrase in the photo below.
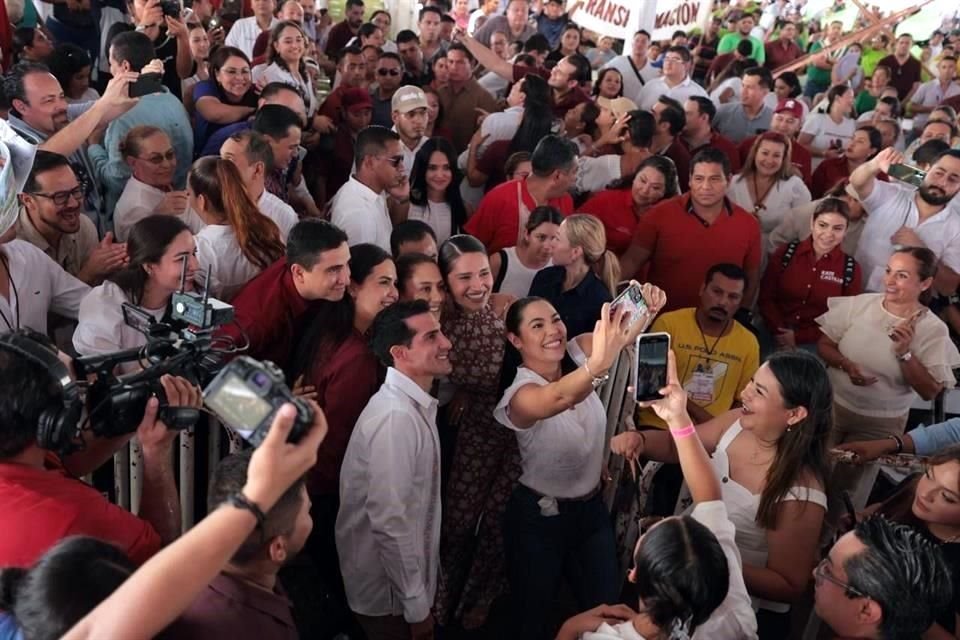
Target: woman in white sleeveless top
(770, 456)
(515, 267)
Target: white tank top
(742, 507)
(518, 278)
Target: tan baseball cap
(408, 98)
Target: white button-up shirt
(244, 33)
(388, 526)
(409, 155)
(362, 214)
(279, 211)
(930, 94)
(140, 200)
(38, 285)
(657, 87)
(891, 206)
(103, 328)
(218, 250)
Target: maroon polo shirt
(678, 153)
(794, 297)
(778, 55)
(904, 75)
(339, 36)
(345, 381)
(41, 507)
(799, 156)
(683, 246)
(830, 172)
(560, 107)
(719, 63)
(336, 166)
(270, 312)
(230, 609)
(721, 142)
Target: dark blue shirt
(579, 308)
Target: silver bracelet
(596, 381)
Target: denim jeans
(577, 544)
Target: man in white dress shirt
(899, 213)
(635, 69)
(251, 154)
(243, 35)
(388, 526)
(377, 193)
(674, 83)
(409, 107)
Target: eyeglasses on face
(158, 158)
(388, 72)
(61, 198)
(821, 573)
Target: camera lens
(261, 380)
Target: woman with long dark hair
(226, 97)
(514, 268)
(826, 134)
(161, 249)
(771, 458)
(567, 45)
(238, 242)
(535, 124)
(435, 189)
(608, 92)
(285, 62)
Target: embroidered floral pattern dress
(485, 468)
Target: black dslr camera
(246, 395)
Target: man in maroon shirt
(246, 600)
(783, 50)
(720, 63)
(698, 132)
(356, 111)
(343, 32)
(41, 499)
(787, 120)
(906, 69)
(272, 309)
(681, 238)
(865, 143)
(352, 67)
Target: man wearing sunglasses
(53, 220)
(377, 193)
(881, 580)
(389, 74)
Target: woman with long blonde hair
(584, 275)
(238, 242)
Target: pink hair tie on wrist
(686, 431)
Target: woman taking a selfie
(556, 516)
(770, 456)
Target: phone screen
(651, 365)
(908, 174)
(631, 297)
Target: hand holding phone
(650, 366)
(672, 405)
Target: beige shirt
(71, 252)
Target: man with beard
(343, 32)
(52, 219)
(901, 214)
(716, 355)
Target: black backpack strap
(502, 273)
(849, 267)
(788, 254)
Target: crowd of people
(426, 231)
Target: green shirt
(870, 58)
(815, 73)
(730, 41)
(864, 102)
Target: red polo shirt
(345, 382)
(496, 223)
(799, 157)
(830, 172)
(40, 507)
(683, 246)
(614, 208)
(721, 142)
(270, 311)
(794, 297)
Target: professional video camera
(185, 346)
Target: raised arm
(865, 176)
(486, 57)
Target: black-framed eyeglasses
(160, 158)
(820, 573)
(395, 161)
(61, 198)
(388, 72)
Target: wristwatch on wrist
(905, 357)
